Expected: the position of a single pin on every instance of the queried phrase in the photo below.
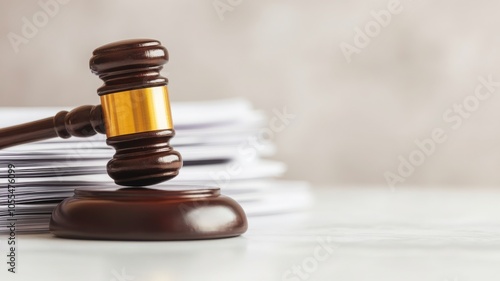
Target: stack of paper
(219, 141)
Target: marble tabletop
(350, 233)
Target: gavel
(135, 116)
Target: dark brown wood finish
(143, 158)
(83, 121)
(180, 213)
(129, 64)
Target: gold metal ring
(136, 111)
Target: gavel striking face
(134, 114)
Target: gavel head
(136, 111)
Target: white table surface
(370, 233)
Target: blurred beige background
(353, 120)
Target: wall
(355, 114)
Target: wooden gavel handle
(83, 121)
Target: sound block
(170, 213)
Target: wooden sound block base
(173, 213)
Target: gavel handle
(83, 121)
